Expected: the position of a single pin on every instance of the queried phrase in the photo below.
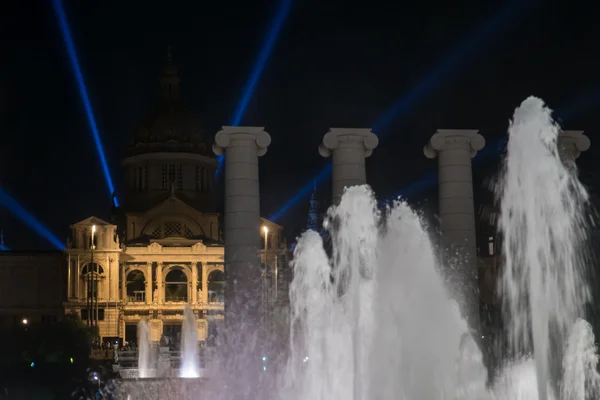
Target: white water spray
(544, 227)
(143, 342)
(190, 364)
(376, 322)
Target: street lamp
(266, 231)
(24, 321)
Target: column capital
(348, 137)
(573, 142)
(446, 139)
(248, 134)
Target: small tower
(313, 211)
(169, 81)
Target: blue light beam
(451, 63)
(68, 39)
(259, 66)
(408, 100)
(305, 191)
(28, 219)
(582, 103)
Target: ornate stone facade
(172, 252)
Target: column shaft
(242, 146)
(159, 283)
(69, 278)
(148, 283)
(194, 283)
(454, 149)
(204, 284)
(77, 278)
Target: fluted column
(159, 283)
(571, 144)
(454, 149)
(348, 149)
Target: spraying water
(190, 364)
(544, 227)
(375, 321)
(143, 342)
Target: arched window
(136, 286)
(96, 269)
(176, 285)
(216, 287)
(92, 274)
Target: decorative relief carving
(155, 323)
(155, 247)
(201, 329)
(199, 248)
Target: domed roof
(171, 123)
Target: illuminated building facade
(163, 251)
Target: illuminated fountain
(144, 349)
(375, 319)
(190, 363)
(544, 224)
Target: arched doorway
(176, 285)
(216, 287)
(136, 286)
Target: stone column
(454, 149)
(148, 283)
(123, 283)
(194, 283)
(571, 144)
(241, 147)
(69, 278)
(204, 284)
(348, 148)
(77, 278)
(159, 282)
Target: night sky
(335, 63)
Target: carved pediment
(92, 221)
(199, 248)
(155, 247)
